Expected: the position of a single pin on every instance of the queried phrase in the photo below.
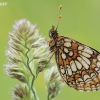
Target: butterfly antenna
(59, 16)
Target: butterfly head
(53, 32)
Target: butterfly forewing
(78, 64)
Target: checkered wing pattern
(78, 64)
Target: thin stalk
(33, 77)
(48, 97)
(34, 94)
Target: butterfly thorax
(53, 34)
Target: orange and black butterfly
(78, 64)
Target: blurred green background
(80, 21)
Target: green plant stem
(34, 94)
(33, 77)
(48, 97)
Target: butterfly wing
(78, 64)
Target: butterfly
(78, 64)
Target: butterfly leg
(50, 57)
(49, 40)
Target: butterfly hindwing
(78, 64)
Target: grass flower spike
(22, 92)
(27, 53)
(53, 82)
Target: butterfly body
(78, 64)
